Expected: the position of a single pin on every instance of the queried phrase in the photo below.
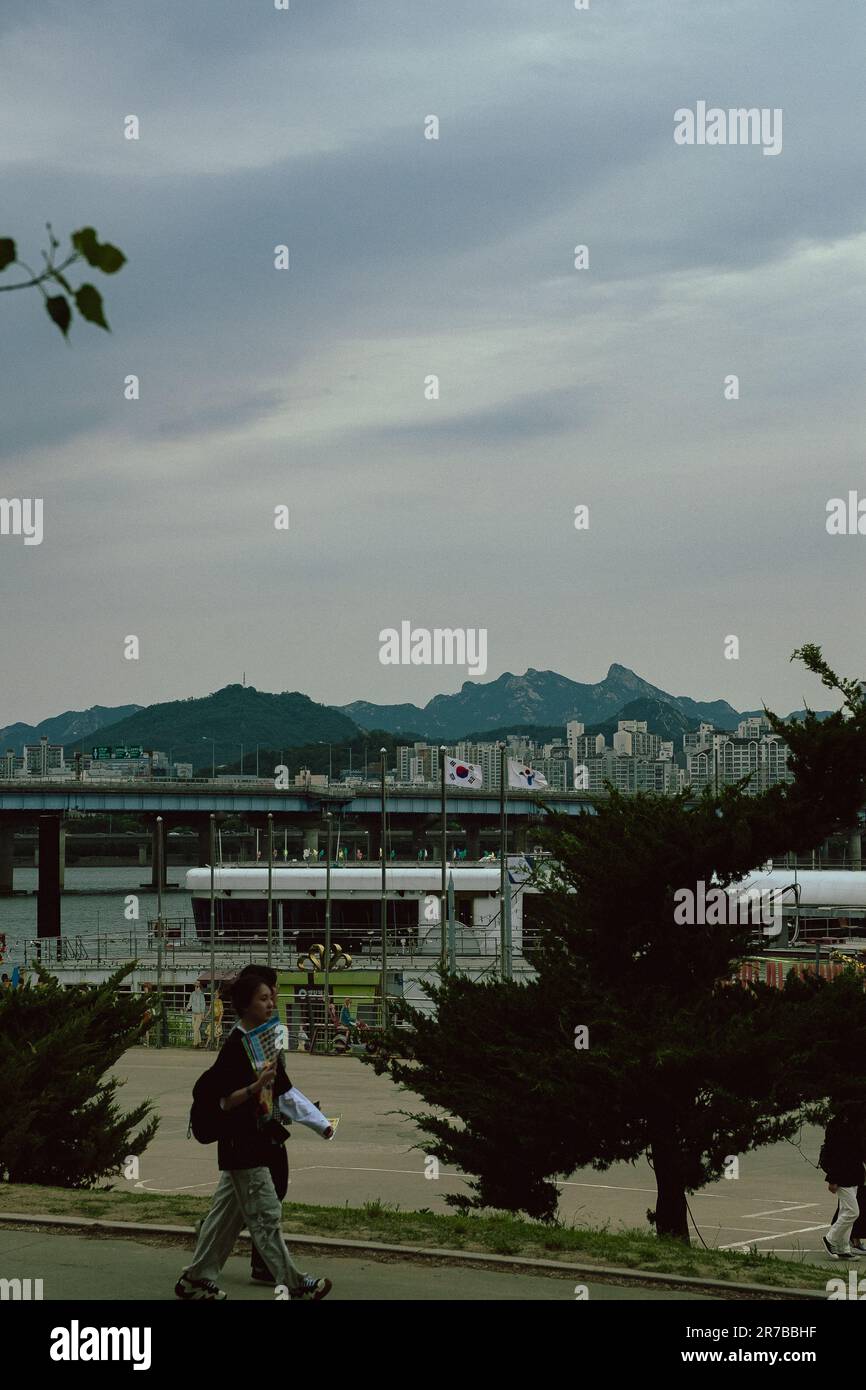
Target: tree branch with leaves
(87, 247)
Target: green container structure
(301, 1001)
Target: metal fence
(182, 946)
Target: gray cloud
(412, 257)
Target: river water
(95, 900)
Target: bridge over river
(412, 818)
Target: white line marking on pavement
(776, 1213)
(164, 1190)
(782, 1235)
(346, 1168)
(723, 1226)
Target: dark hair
(264, 972)
(244, 987)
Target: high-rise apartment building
(43, 758)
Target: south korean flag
(459, 774)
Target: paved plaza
(779, 1201)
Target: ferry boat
(413, 894)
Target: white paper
(296, 1107)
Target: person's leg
(839, 1234)
(279, 1167)
(262, 1212)
(196, 1030)
(221, 1228)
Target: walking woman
(245, 1195)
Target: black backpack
(207, 1119)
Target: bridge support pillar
(519, 834)
(204, 844)
(311, 840)
(419, 839)
(154, 856)
(473, 841)
(7, 858)
(375, 834)
(50, 876)
(855, 849)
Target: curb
(420, 1254)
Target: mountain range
(539, 703)
(538, 697)
(64, 728)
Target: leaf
(7, 252)
(106, 257)
(111, 258)
(86, 244)
(62, 280)
(88, 302)
(60, 312)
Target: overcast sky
(412, 257)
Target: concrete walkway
(77, 1268)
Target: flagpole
(443, 905)
(452, 927)
(270, 888)
(330, 821)
(212, 919)
(383, 918)
(503, 787)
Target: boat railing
(181, 945)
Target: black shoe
(312, 1289)
(198, 1289)
(837, 1254)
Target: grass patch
(497, 1233)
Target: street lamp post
(443, 903)
(270, 887)
(383, 916)
(329, 822)
(159, 928)
(212, 1039)
(504, 954)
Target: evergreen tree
(60, 1124)
(678, 1062)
